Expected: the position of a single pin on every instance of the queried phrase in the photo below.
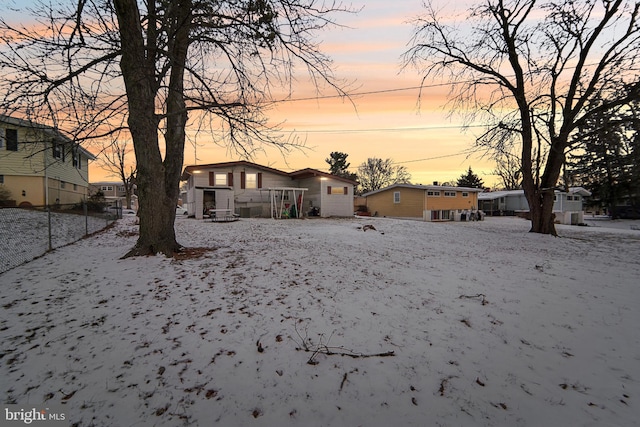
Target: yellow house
(429, 202)
(40, 166)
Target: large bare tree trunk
(156, 192)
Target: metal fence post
(49, 226)
(86, 217)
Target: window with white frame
(251, 180)
(220, 179)
(433, 194)
(106, 188)
(396, 197)
(465, 194)
(449, 194)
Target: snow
(488, 325)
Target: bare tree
(115, 158)
(534, 72)
(508, 169)
(376, 173)
(150, 69)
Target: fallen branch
(482, 296)
(321, 348)
(344, 379)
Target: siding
(411, 203)
(27, 161)
(335, 204)
(25, 170)
(436, 203)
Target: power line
(425, 128)
(371, 92)
(467, 151)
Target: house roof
(299, 174)
(492, 195)
(47, 130)
(425, 187)
(189, 170)
(308, 172)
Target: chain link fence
(27, 233)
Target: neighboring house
(429, 202)
(40, 166)
(114, 191)
(567, 206)
(250, 190)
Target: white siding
(335, 204)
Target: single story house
(567, 205)
(429, 202)
(41, 166)
(252, 190)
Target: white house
(567, 206)
(249, 190)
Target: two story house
(41, 166)
(114, 191)
(429, 202)
(249, 190)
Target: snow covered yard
(410, 324)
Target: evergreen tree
(608, 165)
(470, 180)
(338, 165)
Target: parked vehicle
(181, 211)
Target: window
(446, 215)
(75, 187)
(77, 159)
(251, 180)
(396, 197)
(121, 189)
(12, 139)
(106, 188)
(576, 198)
(433, 194)
(57, 151)
(63, 184)
(569, 198)
(465, 194)
(1, 179)
(449, 194)
(337, 190)
(220, 179)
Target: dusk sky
(387, 124)
(384, 120)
